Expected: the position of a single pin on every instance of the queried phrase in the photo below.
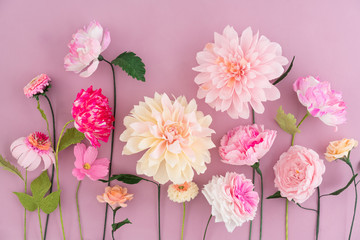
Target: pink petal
(96, 172)
(78, 174)
(79, 151)
(90, 155)
(91, 69)
(106, 41)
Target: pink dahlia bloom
(32, 150)
(87, 164)
(37, 85)
(298, 172)
(85, 48)
(236, 71)
(245, 145)
(232, 199)
(320, 100)
(92, 115)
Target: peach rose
(339, 149)
(115, 196)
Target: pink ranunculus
(232, 199)
(320, 100)
(37, 85)
(85, 48)
(245, 145)
(92, 115)
(115, 196)
(298, 172)
(236, 71)
(87, 164)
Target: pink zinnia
(85, 48)
(320, 100)
(87, 164)
(92, 115)
(236, 71)
(37, 85)
(245, 145)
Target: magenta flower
(320, 100)
(85, 48)
(37, 85)
(236, 72)
(245, 145)
(92, 115)
(87, 164)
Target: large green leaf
(126, 178)
(118, 225)
(40, 186)
(71, 136)
(131, 64)
(27, 201)
(337, 192)
(50, 202)
(287, 122)
(9, 167)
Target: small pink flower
(30, 151)
(236, 71)
(298, 172)
(85, 48)
(37, 85)
(87, 164)
(92, 115)
(320, 100)
(245, 145)
(115, 196)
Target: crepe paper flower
(177, 136)
(183, 192)
(85, 48)
(340, 149)
(232, 199)
(32, 150)
(37, 85)
(320, 100)
(245, 145)
(236, 71)
(298, 172)
(115, 196)
(92, 115)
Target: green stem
(355, 204)
(251, 222)
(207, 226)
(112, 232)
(159, 186)
(25, 208)
(261, 199)
(287, 220)
(302, 120)
(309, 209)
(183, 223)
(77, 208)
(42, 237)
(318, 213)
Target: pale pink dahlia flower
(320, 100)
(298, 172)
(85, 48)
(37, 85)
(30, 151)
(87, 164)
(177, 138)
(245, 145)
(92, 115)
(232, 199)
(236, 71)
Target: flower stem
(318, 213)
(183, 223)
(302, 120)
(356, 196)
(261, 199)
(42, 237)
(159, 188)
(25, 208)
(251, 222)
(112, 232)
(207, 226)
(77, 208)
(287, 220)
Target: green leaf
(342, 189)
(285, 73)
(40, 186)
(50, 202)
(43, 115)
(118, 225)
(275, 195)
(131, 64)
(126, 178)
(9, 167)
(71, 136)
(287, 122)
(27, 201)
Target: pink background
(324, 36)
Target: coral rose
(298, 172)
(339, 149)
(115, 196)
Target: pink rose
(298, 172)
(245, 145)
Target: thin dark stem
(207, 225)
(112, 232)
(78, 209)
(253, 115)
(355, 204)
(251, 222)
(310, 209)
(318, 213)
(261, 200)
(159, 186)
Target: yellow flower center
(87, 166)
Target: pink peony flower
(30, 151)
(115, 196)
(245, 145)
(37, 85)
(320, 100)
(92, 115)
(232, 199)
(87, 164)
(85, 48)
(298, 172)
(236, 71)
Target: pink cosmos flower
(37, 85)
(87, 164)
(245, 145)
(30, 151)
(320, 100)
(85, 48)
(236, 71)
(232, 199)
(298, 172)
(92, 115)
